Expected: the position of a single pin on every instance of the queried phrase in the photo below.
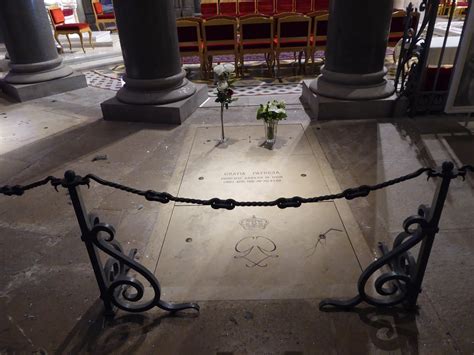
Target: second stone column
(355, 53)
(156, 88)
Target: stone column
(188, 8)
(156, 88)
(197, 6)
(355, 52)
(33, 55)
(29, 42)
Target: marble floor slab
(256, 253)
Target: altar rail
(424, 79)
(401, 284)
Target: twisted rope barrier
(218, 203)
(118, 289)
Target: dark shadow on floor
(122, 334)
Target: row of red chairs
(271, 36)
(265, 7)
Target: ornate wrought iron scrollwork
(118, 288)
(413, 47)
(413, 71)
(393, 286)
(401, 283)
(116, 271)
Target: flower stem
(222, 121)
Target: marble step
(98, 63)
(82, 63)
(99, 39)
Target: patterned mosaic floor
(256, 80)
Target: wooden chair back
(294, 31)
(320, 31)
(56, 15)
(256, 32)
(220, 33)
(189, 35)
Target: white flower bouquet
(272, 111)
(224, 74)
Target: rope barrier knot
(16, 190)
(217, 203)
(353, 193)
(162, 197)
(289, 202)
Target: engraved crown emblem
(253, 223)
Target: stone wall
(186, 7)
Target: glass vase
(270, 132)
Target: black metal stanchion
(401, 284)
(116, 287)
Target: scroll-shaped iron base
(118, 289)
(401, 274)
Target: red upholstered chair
(265, 7)
(228, 8)
(60, 28)
(209, 9)
(284, 6)
(246, 7)
(321, 5)
(190, 39)
(320, 33)
(102, 18)
(461, 8)
(256, 36)
(220, 38)
(304, 6)
(293, 35)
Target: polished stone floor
(48, 295)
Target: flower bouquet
(224, 73)
(271, 113)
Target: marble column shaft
(149, 40)
(355, 52)
(29, 42)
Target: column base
(25, 92)
(324, 108)
(156, 91)
(171, 113)
(31, 77)
(322, 87)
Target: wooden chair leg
(209, 66)
(306, 59)
(82, 41)
(236, 60)
(201, 66)
(56, 37)
(69, 40)
(272, 67)
(90, 40)
(277, 54)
